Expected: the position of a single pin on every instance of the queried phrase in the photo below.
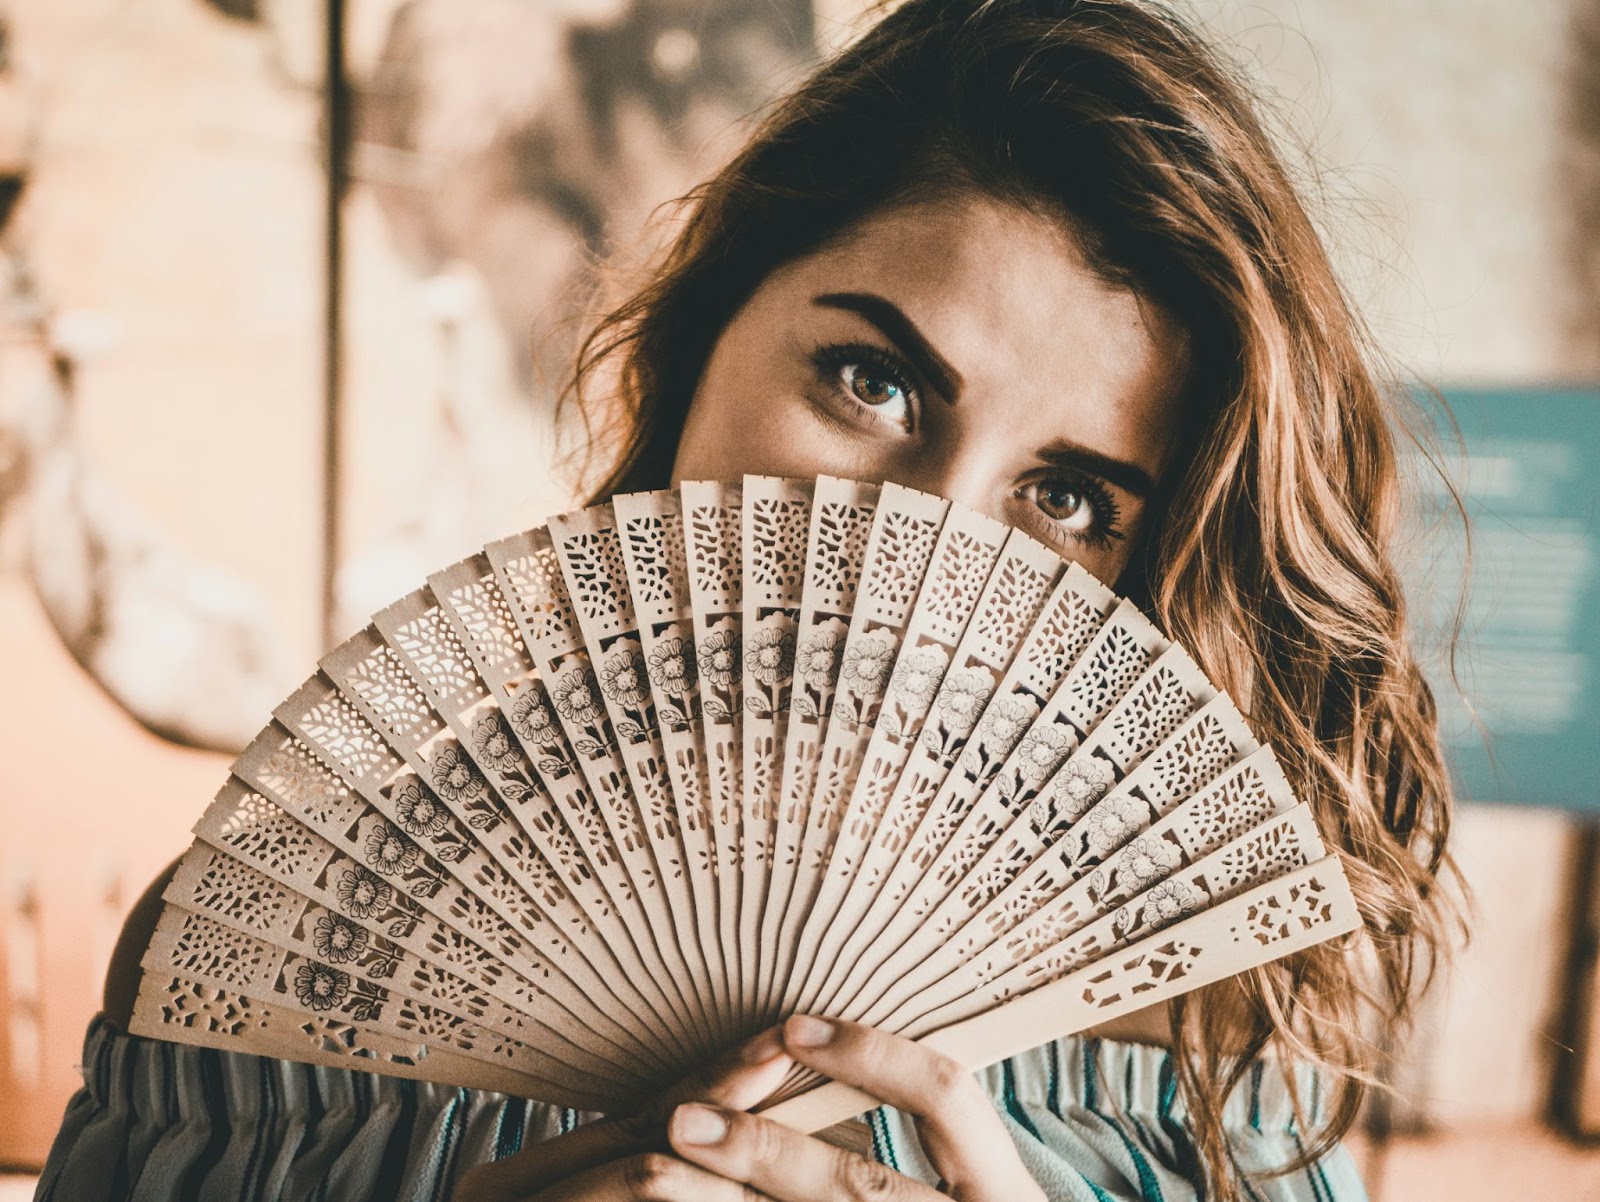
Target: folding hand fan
(628, 787)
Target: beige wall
(174, 203)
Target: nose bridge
(964, 470)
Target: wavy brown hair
(1269, 556)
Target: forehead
(1007, 296)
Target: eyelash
(830, 359)
(1105, 530)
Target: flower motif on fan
(867, 664)
(363, 894)
(1111, 822)
(418, 811)
(389, 851)
(917, 675)
(624, 677)
(1082, 782)
(1005, 720)
(1041, 752)
(338, 939)
(1146, 860)
(817, 664)
(575, 695)
(321, 987)
(719, 658)
(493, 743)
(455, 776)
(961, 701)
(1168, 901)
(671, 667)
(770, 655)
(531, 716)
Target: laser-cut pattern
(600, 801)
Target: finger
(738, 1079)
(783, 1163)
(960, 1129)
(649, 1177)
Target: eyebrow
(1126, 476)
(902, 331)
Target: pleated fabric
(1094, 1120)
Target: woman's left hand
(959, 1128)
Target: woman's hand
(722, 1154)
(599, 1160)
(956, 1122)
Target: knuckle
(866, 1180)
(950, 1079)
(650, 1175)
(766, 1142)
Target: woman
(1037, 256)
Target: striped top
(1093, 1120)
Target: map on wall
(1522, 714)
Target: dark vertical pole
(1576, 1019)
(336, 161)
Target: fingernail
(693, 1124)
(764, 1047)
(807, 1032)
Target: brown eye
(874, 390)
(868, 384)
(1075, 508)
(1063, 503)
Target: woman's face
(963, 348)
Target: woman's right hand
(604, 1159)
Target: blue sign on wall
(1522, 717)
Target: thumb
(737, 1080)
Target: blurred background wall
(167, 499)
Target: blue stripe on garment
(1313, 1172)
(1088, 1091)
(1127, 1092)
(397, 1152)
(569, 1119)
(509, 1127)
(1052, 1090)
(1256, 1070)
(1014, 1108)
(883, 1139)
(260, 1133)
(448, 1143)
(214, 1091)
(1149, 1187)
(313, 1107)
(1185, 1155)
(1169, 1087)
(189, 1123)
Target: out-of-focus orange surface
(91, 807)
